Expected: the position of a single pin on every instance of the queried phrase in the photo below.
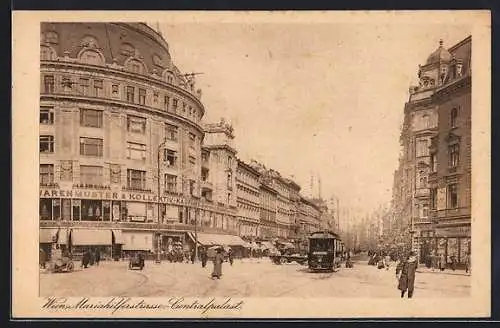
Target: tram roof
(323, 234)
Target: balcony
(207, 185)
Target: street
(246, 278)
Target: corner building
(120, 141)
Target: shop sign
(109, 195)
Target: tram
(324, 247)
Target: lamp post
(158, 249)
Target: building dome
(440, 55)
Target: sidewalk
(423, 269)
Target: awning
(118, 237)
(91, 237)
(288, 245)
(207, 239)
(47, 235)
(137, 241)
(267, 245)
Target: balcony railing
(450, 213)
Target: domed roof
(441, 54)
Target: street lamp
(158, 249)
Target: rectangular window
(48, 83)
(175, 104)
(155, 97)
(452, 195)
(46, 144)
(171, 183)
(136, 124)
(46, 174)
(434, 162)
(46, 209)
(91, 210)
(84, 86)
(191, 187)
(115, 90)
(91, 174)
(171, 132)
(166, 102)
(136, 151)
(453, 151)
(170, 158)
(130, 94)
(136, 179)
(91, 118)
(46, 115)
(91, 147)
(425, 211)
(204, 174)
(142, 96)
(192, 161)
(192, 140)
(433, 198)
(97, 88)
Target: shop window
(84, 86)
(66, 209)
(171, 132)
(56, 209)
(91, 175)
(170, 158)
(136, 151)
(46, 174)
(46, 115)
(91, 147)
(452, 195)
(452, 248)
(142, 96)
(46, 144)
(136, 179)
(48, 83)
(76, 209)
(464, 249)
(106, 210)
(91, 210)
(116, 210)
(130, 92)
(453, 151)
(98, 86)
(171, 182)
(453, 118)
(136, 124)
(45, 209)
(91, 118)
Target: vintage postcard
(251, 164)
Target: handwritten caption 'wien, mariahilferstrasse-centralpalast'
(116, 304)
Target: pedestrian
(42, 258)
(193, 255)
(442, 262)
(405, 271)
(86, 259)
(217, 272)
(467, 263)
(453, 260)
(230, 256)
(387, 261)
(204, 257)
(97, 256)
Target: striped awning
(84, 237)
(207, 239)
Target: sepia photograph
(198, 164)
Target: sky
(312, 99)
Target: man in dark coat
(193, 255)
(230, 256)
(97, 257)
(204, 257)
(406, 271)
(217, 272)
(86, 259)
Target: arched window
(135, 66)
(91, 57)
(47, 53)
(453, 117)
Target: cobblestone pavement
(246, 278)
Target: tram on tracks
(325, 249)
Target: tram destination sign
(111, 195)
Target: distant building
(248, 199)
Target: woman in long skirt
(406, 271)
(217, 273)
